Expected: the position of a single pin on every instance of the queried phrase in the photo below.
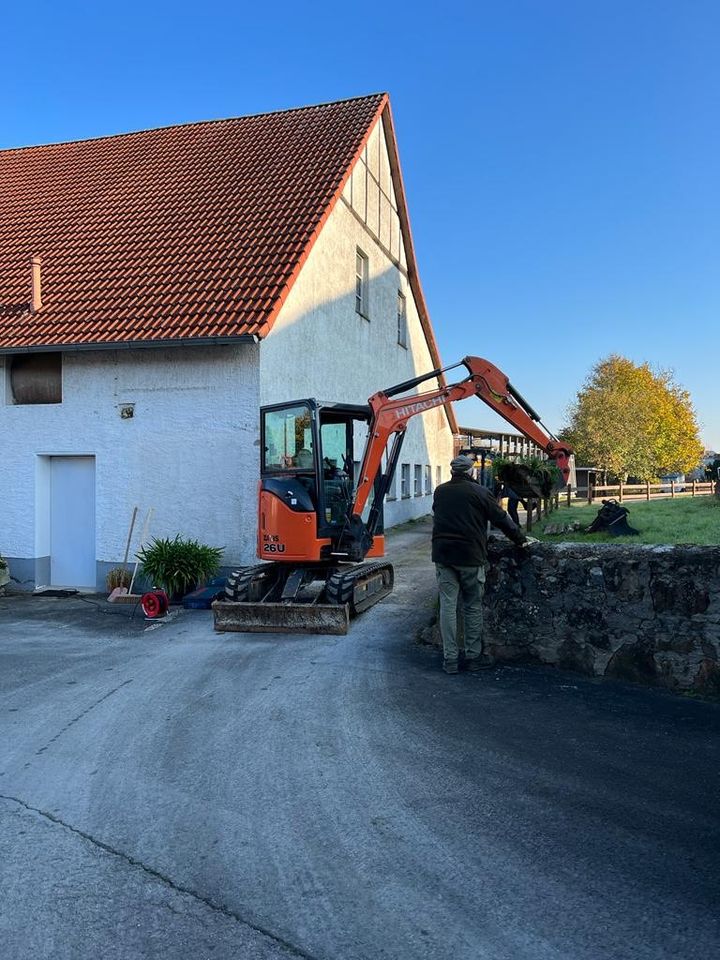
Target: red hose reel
(155, 604)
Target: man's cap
(462, 464)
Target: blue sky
(560, 158)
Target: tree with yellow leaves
(632, 421)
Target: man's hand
(528, 542)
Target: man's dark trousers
(468, 582)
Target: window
(418, 480)
(391, 494)
(288, 443)
(36, 378)
(438, 476)
(402, 320)
(405, 481)
(337, 486)
(428, 480)
(361, 283)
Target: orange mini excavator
(320, 524)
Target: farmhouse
(157, 288)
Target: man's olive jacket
(461, 510)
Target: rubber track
(340, 586)
(238, 583)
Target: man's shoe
(483, 662)
(451, 666)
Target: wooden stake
(143, 535)
(129, 537)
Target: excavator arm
(390, 418)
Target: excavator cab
(310, 456)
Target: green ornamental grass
(178, 565)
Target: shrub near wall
(640, 613)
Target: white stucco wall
(190, 451)
(321, 347)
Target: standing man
(461, 510)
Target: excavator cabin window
(336, 437)
(288, 440)
(316, 444)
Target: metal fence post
(647, 489)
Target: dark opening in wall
(36, 378)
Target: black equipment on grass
(612, 519)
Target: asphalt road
(174, 793)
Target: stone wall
(639, 613)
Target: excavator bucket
(237, 617)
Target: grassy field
(682, 520)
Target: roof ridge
(193, 123)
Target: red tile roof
(193, 231)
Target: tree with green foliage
(633, 421)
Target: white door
(72, 522)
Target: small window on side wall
(361, 284)
(402, 320)
(36, 378)
(405, 480)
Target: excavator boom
(485, 381)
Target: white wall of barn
(320, 346)
(190, 450)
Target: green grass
(684, 520)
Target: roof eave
(130, 344)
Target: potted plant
(178, 565)
(118, 577)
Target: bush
(528, 476)
(178, 565)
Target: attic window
(36, 378)
(361, 283)
(402, 320)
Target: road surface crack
(167, 881)
(85, 712)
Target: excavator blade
(281, 617)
